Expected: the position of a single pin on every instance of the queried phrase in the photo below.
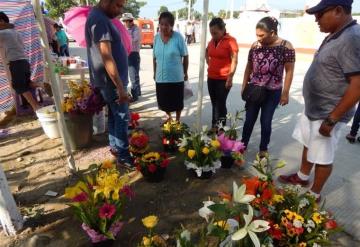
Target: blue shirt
(61, 37)
(168, 56)
(99, 28)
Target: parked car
(147, 31)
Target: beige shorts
(321, 149)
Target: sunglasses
(320, 14)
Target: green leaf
(220, 210)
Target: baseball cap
(327, 3)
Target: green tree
(211, 15)
(133, 7)
(192, 2)
(222, 13)
(57, 8)
(162, 9)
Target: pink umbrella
(75, 20)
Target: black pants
(218, 95)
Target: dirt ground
(35, 164)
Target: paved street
(342, 192)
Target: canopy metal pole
(202, 62)
(189, 10)
(55, 82)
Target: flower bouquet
(151, 239)
(98, 200)
(152, 165)
(201, 153)
(134, 120)
(171, 132)
(232, 149)
(79, 106)
(138, 143)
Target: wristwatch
(330, 122)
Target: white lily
(183, 235)
(239, 194)
(183, 142)
(205, 212)
(251, 228)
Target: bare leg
(29, 97)
(169, 118)
(306, 166)
(36, 85)
(322, 173)
(178, 115)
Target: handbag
(254, 93)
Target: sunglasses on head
(321, 13)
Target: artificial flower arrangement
(82, 99)
(138, 143)
(152, 165)
(151, 239)
(171, 132)
(231, 148)
(259, 214)
(202, 152)
(134, 120)
(98, 200)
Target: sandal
(351, 138)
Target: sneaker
(293, 179)
(350, 138)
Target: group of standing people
(331, 85)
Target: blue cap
(328, 3)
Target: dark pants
(268, 107)
(218, 95)
(356, 122)
(134, 68)
(118, 119)
(64, 50)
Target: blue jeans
(64, 50)
(134, 68)
(118, 119)
(356, 122)
(267, 107)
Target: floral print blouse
(268, 64)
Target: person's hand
(186, 77)
(228, 83)
(325, 129)
(123, 97)
(284, 98)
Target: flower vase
(169, 145)
(153, 177)
(204, 175)
(203, 172)
(227, 161)
(80, 129)
(98, 239)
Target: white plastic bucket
(99, 122)
(48, 119)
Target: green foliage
(133, 7)
(163, 9)
(57, 8)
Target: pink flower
(107, 211)
(82, 197)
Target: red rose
(165, 163)
(152, 168)
(330, 224)
(275, 233)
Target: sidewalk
(342, 192)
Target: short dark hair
(4, 17)
(169, 16)
(269, 24)
(219, 22)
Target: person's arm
(247, 73)
(111, 69)
(350, 98)
(234, 62)
(186, 66)
(4, 25)
(289, 74)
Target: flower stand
(80, 129)
(203, 172)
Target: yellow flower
(146, 241)
(109, 182)
(317, 218)
(277, 198)
(223, 224)
(215, 143)
(71, 192)
(166, 127)
(284, 221)
(107, 164)
(291, 232)
(299, 218)
(302, 244)
(181, 150)
(150, 221)
(290, 215)
(151, 157)
(205, 151)
(191, 153)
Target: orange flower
(252, 185)
(225, 196)
(107, 164)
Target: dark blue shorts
(20, 75)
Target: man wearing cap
(331, 89)
(134, 57)
(108, 67)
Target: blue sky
(152, 6)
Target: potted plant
(232, 149)
(171, 132)
(138, 143)
(202, 153)
(152, 165)
(98, 200)
(82, 102)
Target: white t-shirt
(11, 42)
